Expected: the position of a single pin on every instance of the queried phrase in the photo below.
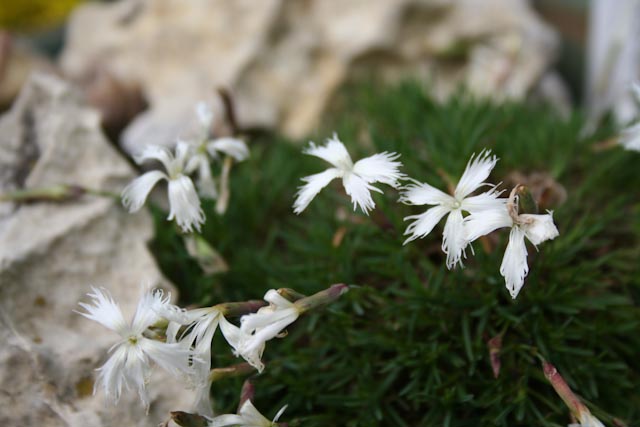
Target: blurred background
(143, 64)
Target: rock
(284, 60)
(52, 252)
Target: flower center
(133, 340)
(456, 204)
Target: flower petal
(380, 167)
(233, 147)
(273, 297)
(231, 333)
(630, 138)
(185, 204)
(111, 375)
(485, 201)
(483, 222)
(477, 170)
(251, 416)
(453, 238)
(333, 152)
(273, 321)
(514, 266)
(173, 358)
(539, 228)
(202, 403)
(360, 192)
(135, 194)
(314, 183)
(279, 413)
(425, 222)
(588, 420)
(226, 420)
(155, 152)
(184, 152)
(424, 194)
(205, 182)
(205, 114)
(149, 305)
(105, 311)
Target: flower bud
(237, 370)
(186, 419)
(561, 387)
(240, 308)
(323, 297)
(290, 294)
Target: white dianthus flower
(356, 177)
(536, 228)
(257, 328)
(130, 361)
(248, 416)
(207, 148)
(453, 242)
(183, 198)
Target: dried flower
(536, 228)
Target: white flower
(129, 364)
(183, 199)
(536, 228)
(257, 328)
(356, 178)
(207, 148)
(587, 420)
(453, 242)
(630, 138)
(202, 324)
(248, 416)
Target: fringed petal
(185, 204)
(381, 167)
(453, 238)
(333, 152)
(476, 172)
(424, 223)
(360, 192)
(314, 184)
(514, 266)
(424, 194)
(135, 194)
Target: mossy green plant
(408, 346)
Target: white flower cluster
(486, 213)
(191, 156)
(469, 216)
(179, 341)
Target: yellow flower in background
(30, 15)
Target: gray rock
(284, 60)
(50, 253)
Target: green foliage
(408, 345)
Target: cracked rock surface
(50, 254)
